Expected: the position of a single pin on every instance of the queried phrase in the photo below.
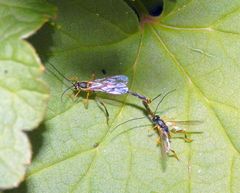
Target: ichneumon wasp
(164, 128)
(114, 85)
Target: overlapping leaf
(193, 47)
(23, 96)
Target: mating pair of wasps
(117, 85)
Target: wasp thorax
(80, 85)
(155, 118)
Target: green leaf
(193, 47)
(23, 96)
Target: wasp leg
(77, 93)
(104, 107)
(93, 76)
(86, 100)
(74, 78)
(152, 128)
(75, 96)
(169, 135)
(158, 141)
(71, 96)
(186, 138)
(147, 100)
(174, 154)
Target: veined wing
(112, 85)
(189, 122)
(164, 147)
(176, 125)
(164, 142)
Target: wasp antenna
(126, 122)
(61, 74)
(156, 97)
(128, 130)
(163, 99)
(67, 89)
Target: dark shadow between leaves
(36, 139)
(21, 189)
(43, 47)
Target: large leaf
(193, 47)
(23, 96)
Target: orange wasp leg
(152, 128)
(93, 76)
(76, 95)
(178, 130)
(88, 92)
(86, 100)
(74, 78)
(186, 138)
(174, 154)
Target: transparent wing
(189, 122)
(177, 126)
(112, 85)
(165, 146)
(112, 79)
(163, 141)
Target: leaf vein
(125, 99)
(86, 173)
(190, 81)
(224, 16)
(49, 166)
(179, 9)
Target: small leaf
(192, 47)
(23, 96)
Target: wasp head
(155, 118)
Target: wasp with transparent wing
(165, 128)
(114, 85)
